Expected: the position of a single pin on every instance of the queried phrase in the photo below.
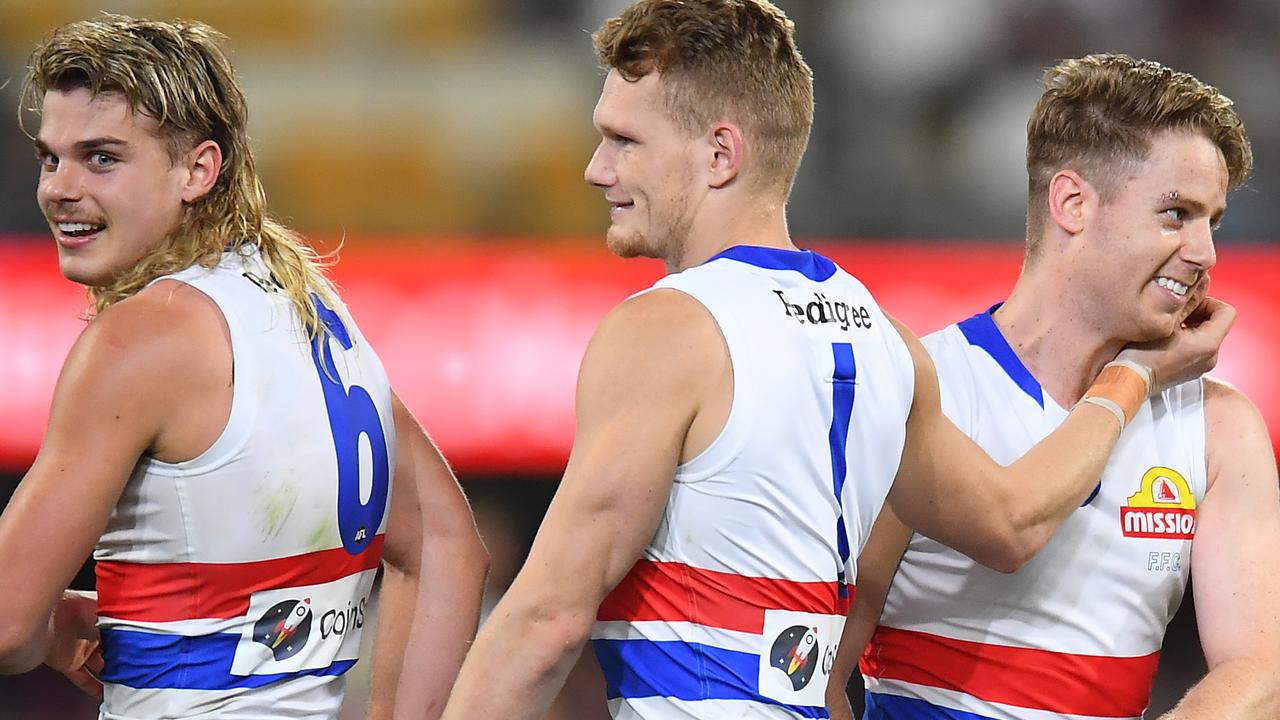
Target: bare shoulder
(665, 312)
(661, 346)
(1237, 444)
(164, 312)
(168, 336)
(1229, 413)
(664, 326)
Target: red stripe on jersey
(676, 592)
(165, 592)
(1023, 677)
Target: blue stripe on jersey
(981, 331)
(806, 262)
(893, 707)
(685, 671)
(843, 387)
(149, 661)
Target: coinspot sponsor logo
(1164, 507)
(284, 628)
(795, 652)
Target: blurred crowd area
(424, 118)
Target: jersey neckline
(981, 330)
(806, 262)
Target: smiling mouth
(72, 234)
(1173, 286)
(79, 229)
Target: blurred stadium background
(444, 141)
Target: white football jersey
(1075, 633)
(736, 607)
(235, 585)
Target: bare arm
(1236, 578)
(876, 567)
(949, 489)
(432, 584)
(132, 370)
(639, 390)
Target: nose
(61, 184)
(1198, 248)
(599, 170)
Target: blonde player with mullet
(1129, 164)
(222, 437)
(741, 424)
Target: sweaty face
(645, 167)
(107, 186)
(1155, 238)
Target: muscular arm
(876, 567)
(1235, 576)
(639, 391)
(135, 370)
(949, 489)
(432, 584)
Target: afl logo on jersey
(795, 653)
(1164, 507)
(284, 628)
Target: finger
(1218, 321)
(87, 683)
(1193, 310)
(94, 664)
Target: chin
(630, 245)
(1155, 328)
(85, 271)
(78, 271)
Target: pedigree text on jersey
(823, 310)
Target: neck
(755, 220)
(1051, 327)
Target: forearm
(22, 646)
(1041, 490)
(424, 629)
(519, 662)
(1240, 689)
(1001, 516)
(23, 656)
(838, 700)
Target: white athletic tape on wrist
(1108, 404)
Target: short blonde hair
(721, 60)
(1098, 114)
(178, 74)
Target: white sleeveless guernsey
(1076, 633)
(736, 607)
(234, 586)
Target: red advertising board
(482, 339)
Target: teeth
(1173, 285)
(77, 227)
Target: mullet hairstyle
(1098, 115)
(721, 60)
(178, 74)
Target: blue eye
(1175, 214)
(101, 160)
